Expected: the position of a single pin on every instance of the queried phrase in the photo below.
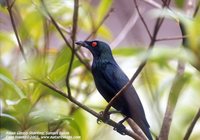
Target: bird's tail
(145, 129)
(147, 132)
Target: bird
(109, 79)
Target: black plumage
(109, 79)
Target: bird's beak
(81, 43)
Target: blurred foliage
(180, 3)
(29, 106)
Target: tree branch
(197, 116)
(153, 3)
(197, 9)
(130, 23)
(63, 36)
(73, 37)
(100, 24)
(46, 37)
(190, 128)
(142, 19)
(87, 109)
(9, 7)
(175, 89)
(171, 38)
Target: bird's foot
(105, 117)
(123, 120)
(120, 128)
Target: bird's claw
(105, 117)
(99, 121)
(120, 128)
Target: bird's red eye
(94, 44)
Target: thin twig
(153, 3)
(171, 38)
(87, 109)
(95, 29)
(100, 24)
(127, 28)
(164, 132)
(46, 37)
(170, 108)
(166, 3)
(55, 24)
(190, 129)
(13, 2)
(197, 116)
(142, 19)
(9, 7)
(136, 128)
(197, 9)
(73, 37)
(63, 36)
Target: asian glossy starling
(109, 79)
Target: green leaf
(104, 32)
(61, 65)
(126, 51)
(9, 122)
(177, 87)
(103, 8)
(163, 54)
(59, 73)
(37, 120)
(36, 67)
(30, 21)
(62, 58)
(23, 106)
(66, 122)
(81, 120)
(7, 40)
(6, 73)
(12, 85)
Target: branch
(97, 28)
(9, 7)
(100, 24)
(189, 131)
(197, 116)
(153, 3)
(87, 109)
(171, 38)
(142, 19)
(63, 36)
(46, 37)
(197, 9)
(73, 37)
(175, 91)
(131, 22)
(124, 131)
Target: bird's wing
(116, 78)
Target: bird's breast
(101, 82)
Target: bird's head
(97, 48)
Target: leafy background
(26, 105)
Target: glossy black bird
(109, 79)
